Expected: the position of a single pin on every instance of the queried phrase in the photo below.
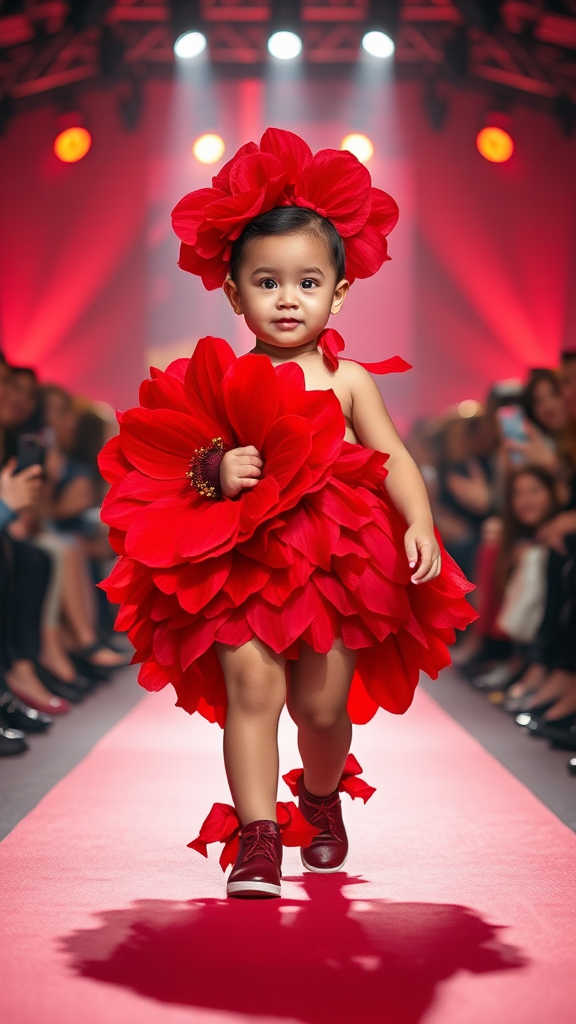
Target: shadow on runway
(323, 958)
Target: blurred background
(481, 283)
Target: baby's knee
(255, 695)
(319, 717)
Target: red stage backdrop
(482, 283)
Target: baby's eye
(308, 283)
(268, 283)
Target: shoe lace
(258, 841)
(323, 816)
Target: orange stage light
(494, 144)
(72, 144)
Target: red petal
(213, 271)
(200, 581)
(365, 253)
(222, 179)
(153, 676)
(384, 213)
(164, 391)
(112, 462)
(250, 398)
(290, 148)
(338, 184)
(161, 442)
(256, 171)
(211, 359)
(214, 530)
(189, 213)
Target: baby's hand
(421, 545)
(240, 468)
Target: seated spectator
(464, 495)
(511, 577)
(547, 419)
(24, 573)
(550, 681)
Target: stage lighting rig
(379, 40)
(111, 49)
(565, 110)
(84, 14)
(285, 40)
(482, 14)
(6, 111)
(436, 106)
(188, 28)
(131, 104)
(457, 53)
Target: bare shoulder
(356, 377)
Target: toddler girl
(276, 539)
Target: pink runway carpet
(457, 905)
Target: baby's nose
(288, 297)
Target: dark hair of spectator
(529, 393)
(21, 371)
(513, 530)
(287, 220)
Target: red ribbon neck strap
(330, 343)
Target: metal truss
(530, 52)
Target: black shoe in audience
(571, 766)
(530, 721)
(57, 686)
(94, 673)
(535, 723)
(12, 741)
(15, 714)
(561, 733)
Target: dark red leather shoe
(328, 850)
(256, 873)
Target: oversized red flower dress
(313, 552)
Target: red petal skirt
(313, 553)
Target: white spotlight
(378, 44)
(189, 44)
(284, 45)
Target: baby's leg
(256, 690)
(317, 698)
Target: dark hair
(513, 530)
(286, 220)
(24, 371)
(529, 393)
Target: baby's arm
(374, 429)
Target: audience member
(51, 649)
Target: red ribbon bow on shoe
(349, 782)
(331, 343)
(223, 826)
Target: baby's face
(287, 288)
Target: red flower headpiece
(284, 172)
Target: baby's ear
(340, 292)
(233, 295)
